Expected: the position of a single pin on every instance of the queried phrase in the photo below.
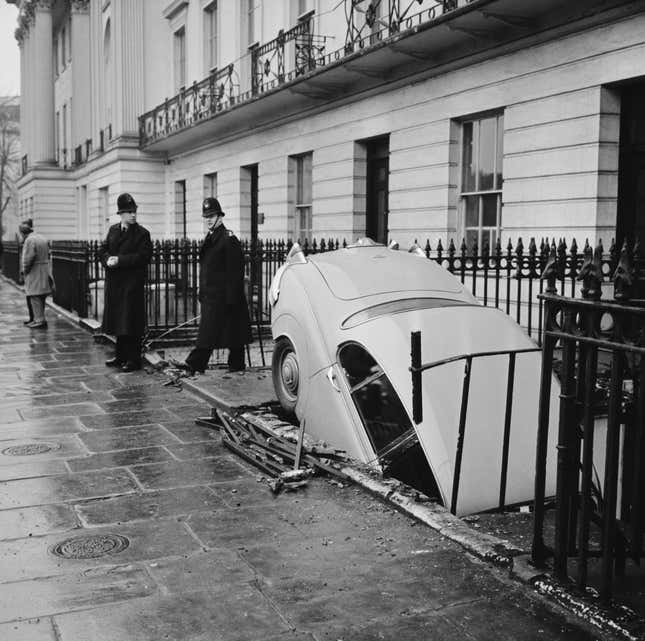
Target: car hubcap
(290, 374)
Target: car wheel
(286, 374)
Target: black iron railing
(11, 260)
(507, 278)
(69, 268)
(600, 505)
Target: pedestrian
(224, 321)
(125, 253)
(36, 269)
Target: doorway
(377, 192)
(630, 220)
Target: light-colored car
(342, 324)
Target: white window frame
(179, 57)
(476, 194)
(211, 36)
(210, 185)
(303, 214)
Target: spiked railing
(598, 347)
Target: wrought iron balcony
(385, 41)
(269, 63)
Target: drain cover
(91, 546)
(29, 449)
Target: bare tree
(9, 154)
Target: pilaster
(81, 77)
(43, 77)
(129, 89)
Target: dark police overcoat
(224, 319)
(124, 312)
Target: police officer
(125, 254)
(224, 319)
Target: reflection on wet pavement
(212, 553)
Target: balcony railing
(285, 58)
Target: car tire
(286, 374)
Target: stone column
(128, 60)
(42, 73)
(22, 34)
(81, 80)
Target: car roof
(360, 271)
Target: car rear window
(398, 307)
(378, 404)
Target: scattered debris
(283, 452)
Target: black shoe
(31, 320)
(115, 362)
(131, 366)
(41, 325)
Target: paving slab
(40, 629)
(36, 521)
(33, 557)
(214, 615)
(148, 505)
(54, 594)
(121, 458)
(183, 473)
(122, 438)
(125, 419)
(32, 470)
(64, 487)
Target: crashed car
(342, 323)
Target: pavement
(123, 520)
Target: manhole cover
(28, 449)
(91, 546)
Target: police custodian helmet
(211, 207)
(125, 203)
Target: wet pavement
(172, 537)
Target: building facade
(396, 119)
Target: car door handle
(332, 379)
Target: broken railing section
(283, 452)
(602, 410)
(417, 367)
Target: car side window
(378, 404)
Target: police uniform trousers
(128, 349)
(197, 359)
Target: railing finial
(550, 271)
(623, 277)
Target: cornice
(173, 7)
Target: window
(103, 221)
(57, 137)
(180, 58)
(63, 42)
(210, 185)
(303, 214)
(481, 179)
(180, 208)
(250, 21)
(64, 136)
(210, 36)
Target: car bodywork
(349, 315)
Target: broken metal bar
(507, 429)
(460, 437)
(243, 453)
(415, 368)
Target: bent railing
(417, 367)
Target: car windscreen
(398, 307)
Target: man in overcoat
(125, 254)
(224, 321)
(37, 271)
